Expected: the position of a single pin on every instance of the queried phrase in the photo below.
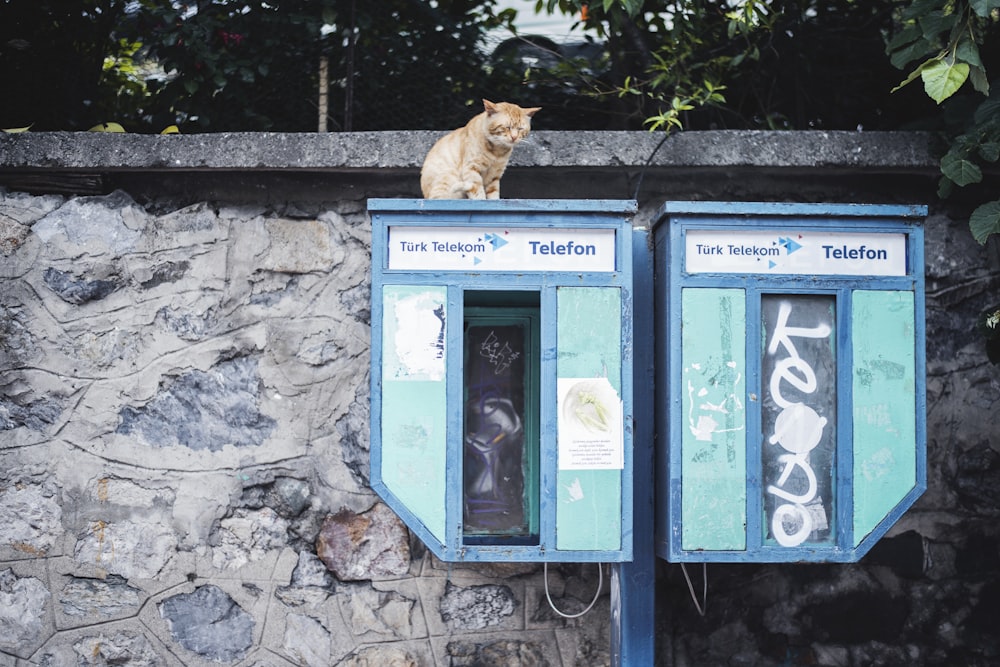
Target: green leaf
(988, 110)
(985, 221)
(934, 23)
(968, 52)
(917, 49)
(16, 130)
(905, 36)
(945, 187)
(984, 7)
(961, 170)
(943, 79)
(990, 151)
(914, 75)
(632, 6)
(920, 7)
(977, 77)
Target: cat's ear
(532, 111)
(490, 107)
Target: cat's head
(506, 123)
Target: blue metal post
(633, 584)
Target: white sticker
(590, 425)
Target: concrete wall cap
(404, 150)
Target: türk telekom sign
(795, 252)
(469, 248)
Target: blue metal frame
(556, 214)
(672, 223)
(633, 584)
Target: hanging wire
(642, 172)
(600, 585)
(704, 592)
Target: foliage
(232, 65)
(52, 54)
(252, 65)
(216, 59)
(417, 65)
(948, 38)
(786, 64)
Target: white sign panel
(590, 425)
(808, 252)
(500, 249)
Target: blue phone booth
(790, 378)
(501, 395)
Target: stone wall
(184, 418)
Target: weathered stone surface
(369, 611)
(300, 246)
(24, 209)
(311, 583)
(17, 342)
(381, 656)
(79, 290)
(95, 225)
(310, 571)
(286, 496)
(186, 325)
(127, 548)
(364, 546)
(204, 410)
(23, 602)
(121, 648)
(95, 598)
(30, 517)
(307, 641)
(210, 623)
(164, 273)
(247, 536)
(353, 430)
(12, 235)
(476, 607)
(502, 653)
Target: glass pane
(798, 418)
(498, 468)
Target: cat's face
(507, 123)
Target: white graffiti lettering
(798, 429)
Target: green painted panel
(414, 414)
(589, 513)
(589, 501)
(713, 419)
(884, 381)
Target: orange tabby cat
(468, 162)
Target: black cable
(642, 173)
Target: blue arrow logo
(789, 244)
(496, 241)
